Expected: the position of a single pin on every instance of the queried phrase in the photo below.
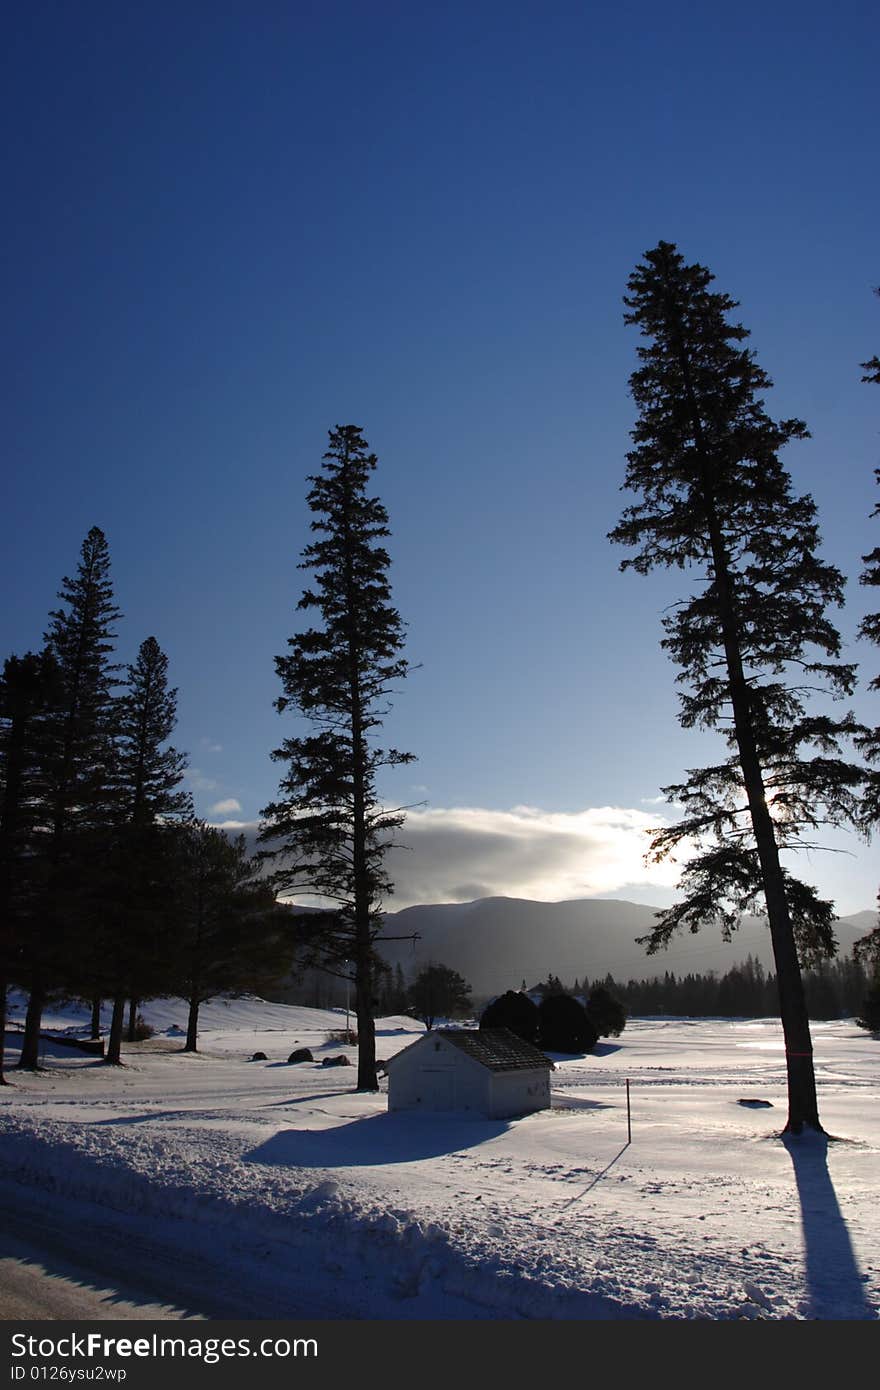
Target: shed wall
(437, 1079)
(433, 1076)
(519, 1093)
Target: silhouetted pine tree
(753, 642)
(869, 1012)
(28, 692)
(79, 775)
(228, 932)
(148, 775)
(869, 946)
(338, 676)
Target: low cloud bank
(461, 853)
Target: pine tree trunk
(363, 944)
(95, 1032)
(366, 1025)
(132, 1018)
(30, 1044)
(803, 1106)
(367, 1079)
(114, 1044)
(192, 1024)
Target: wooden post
(629, 1133)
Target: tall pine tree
(149, 770)
(79, 764)
(228, 931)
(753, 642)
(869, 628)
(148, 773)
(332, 828)
(28, 693)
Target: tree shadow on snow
(835, 1285)
(376, 1139)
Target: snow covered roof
(496, 1048)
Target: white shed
(487, 1071)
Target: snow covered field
(269, 1190)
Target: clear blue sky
(233, 226)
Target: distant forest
(834, 989)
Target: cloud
(225, 808)
(461, 853)
(209, 746)
(198, 782)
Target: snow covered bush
(607, 1014)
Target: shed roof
(498, 1049)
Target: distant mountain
(496, 943)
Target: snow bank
(322, 1195)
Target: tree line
(110, 887)
(833, 989)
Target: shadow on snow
(375, 1140)
(835, 1285)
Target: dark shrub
(870, 1015)
(607, 1014)
(564, 1026)
(259, 1057)
(514, 1011)
(301, 1054)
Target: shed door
(437, 1088)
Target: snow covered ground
(270, 1190)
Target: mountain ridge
(498, 942)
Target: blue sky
(233, 226)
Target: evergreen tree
(821, 992)
(148, 774)
(869, 628)
(513, 1010)
(28, 690)
(552, 985)
(228, 932)
(438, 992)
(149, 771)
(869, 1016)
(753, 642)
(605, 1012)
(329, 824)
(564, 1025)
(79, 762)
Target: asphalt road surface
(55, 1268)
